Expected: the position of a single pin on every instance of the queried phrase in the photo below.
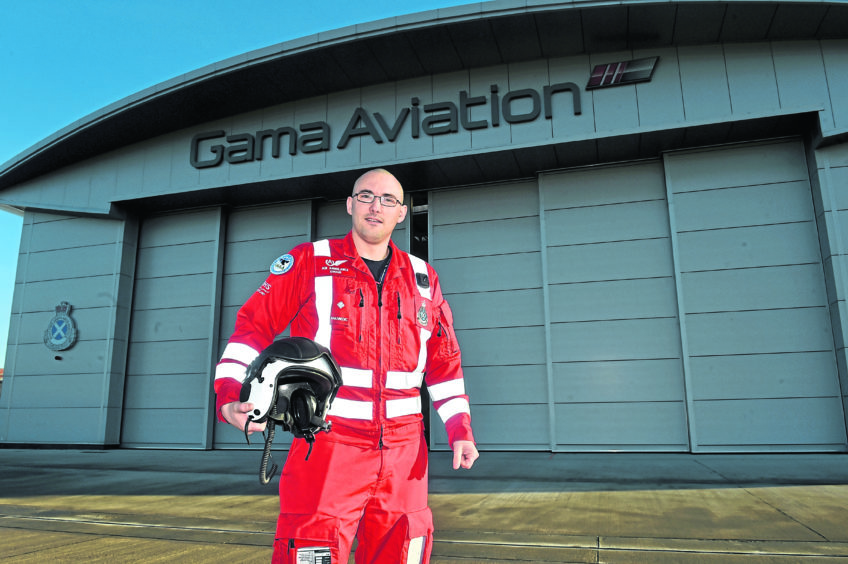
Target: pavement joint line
(705, 551)
(733, 546)
(596, 544)
(782, 512)
(750, 492)
(104, 523)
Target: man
(381, 313)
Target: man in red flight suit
(381, 313)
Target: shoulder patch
(282, 265)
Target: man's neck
(371, 252)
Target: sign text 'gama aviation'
(211, 148)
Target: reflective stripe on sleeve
(232, 370)
(453, 407)
(405, 406)
(356, 377)
(240, 353)
(351, 409)
(445, 390)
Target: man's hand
(464, 454)
(236, 415)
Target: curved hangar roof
(438, 41)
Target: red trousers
(351, 487)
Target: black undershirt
(378, 269)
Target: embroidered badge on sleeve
(282, 265)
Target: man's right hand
(236, 415)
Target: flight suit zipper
(398, 317)
(359, 320)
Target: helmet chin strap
(265, 475)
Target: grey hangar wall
(662, 271)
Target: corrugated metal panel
(761, 367)
(484, 243)
(167, 388)
(615, 345)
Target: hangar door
(563, 296)
(761, 369)
(169, 359)
(616, 364)
(671, 306)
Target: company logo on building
(625, 72)
(212, 148)
(61, 334)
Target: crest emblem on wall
(61, 334)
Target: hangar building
(637, 211)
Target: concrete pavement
(120, 505)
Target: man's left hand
(464, 454)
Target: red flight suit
(368, 476)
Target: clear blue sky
(61, 60)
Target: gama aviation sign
(212, 148)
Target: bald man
(382, 314)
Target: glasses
(386, 199)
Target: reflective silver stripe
(404, 380)
(453, 407)
(323, 296)
(239, 352)
(420, 267)
(351, 409)
(422, 352)
(232, 370)
(405, 406)
(415, 552)
(321, 248)
(356, 377)
(449, 389)
(323, 304)
(396, 380)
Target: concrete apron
(782, 524)
(787, 524)
(549, 509)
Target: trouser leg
(321, 501)
(397, 525)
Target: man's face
(374, 222)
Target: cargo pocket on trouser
(307, 539)
(419, 537)
(409, 541)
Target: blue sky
(61, 60)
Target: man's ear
(349, 205)
(402, 216)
